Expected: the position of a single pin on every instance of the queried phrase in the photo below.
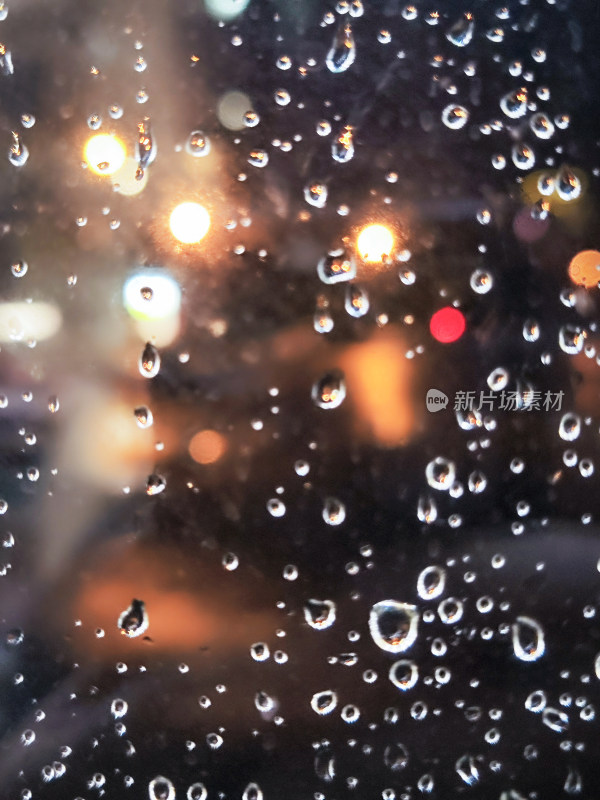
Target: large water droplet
(467, 770)
(134, 620)
(556, 720)
(427, 509)
(197, 791)
(356, 301)
(319, 614)
(198, 144)
(342, 147)
(143, 417)
(258, 158)
(404, 674)
(440, 473)
(528, 639)
(149, 361)
(395, 756)
(393, 625)
(450, 610)
(337, 266)
(252, 792)
(334, 511)
(315, 194)
(145, 147)
(514, 104)
(523, 156)
(571, 339)
(568, 185)
(263, 702)
(342, 53)
(18, 153)
(330, 390)
(324, 702)
(541, 125)
(461, 33)
(161, 788)
(455, 116)
(569, 427)
(431, 582)
(155, 484)
(536, 701)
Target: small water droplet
(330, 390)
(342, 53)
(514, 104)
(568, 185)
(334, 511)
(149, 361)
(315, 194)
(342, 147)
(258, 158)
(569, 427)
(319, 614)
(356, 301)
(440, 473)
(404, 674)
(528, 639)
(198, 144)
(324, 702)
(18, 153)
(161, 788)
(461, 33)
(155, 484)
(337, 266)
(431, 582)
(455, 116)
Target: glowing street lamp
(104, 153)
(189, 222)
(374, 243)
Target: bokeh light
(207, 446)
(447, 325)
(151, 294)
(104, 153)
(584, 269)
(124, 178)
(231, 110)
(374, 243)
(189, 222)
(225, 10)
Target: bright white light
(231, 108)
(28, 321)
(374, 242)
(124, 179)
(104, 153)
(225, 10)
(189, 222)
(151, 294)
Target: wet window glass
(299, 400)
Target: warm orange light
(104, 153)
(189, 222)
(207, 446)
(374, 243)
(584, 269)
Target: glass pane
(299, 400)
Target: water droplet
(197, 791)
(275, 507)
(556, 720)
(356, 8)
(260, 651)
(467, 770)
(342, 53)
(330, 390)
(356, 301)
(571, 339)
(569, 427)
(258, 158)
(282, 97)
(514, 104)
(541, 125)
(146, 147)
(404, 674)
(263, 702)
(251, 119)
(149, 361)
(19, 269)
(528, 639)
(394, 625)
(334, 511)
(431, 582)
(324, 702)
(230, 562)
(498, 379)
(198, 144)
(28, 737)
(342, 147)
(450, 610)
(337, 266)
(350, 714)
(395, 756)
(315, 194)
(325, 765)
(18, 153)
(427, 509)
(568, 185)
(481, 281)
(523, 156)
(319, 614)
(461, 33)
(440, 473)
(455, 116)
(161, 788)
(531, 330)
(143, 417)
(477, 482)
(134, 620)
(118, 708)
(536, 701)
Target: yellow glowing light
(104, 153)
(189, 222)
(207, 446)
(374, 243)
(124, 180)
(584, 269)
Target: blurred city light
(447, 325)
(207, 446)
(584, 269)
(151, 295)
(374, 243)
(28, 321)
(104, 153)
(225, 10)
(231, 110)
(124, 178)
(189, 222)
